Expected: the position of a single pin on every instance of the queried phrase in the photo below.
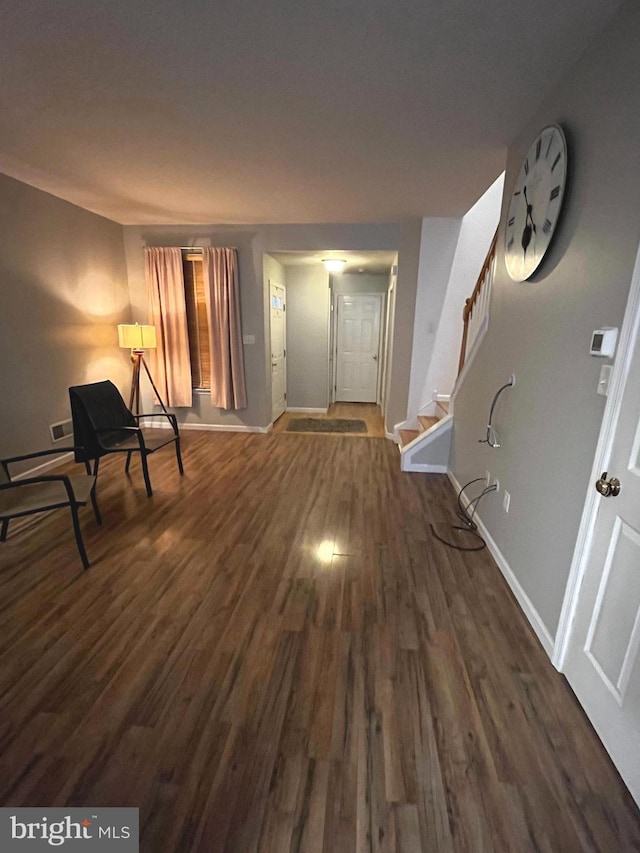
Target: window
(198, 326)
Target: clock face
(535, 203)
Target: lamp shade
(137, 337)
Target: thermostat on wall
(603, 342)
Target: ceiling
(278, 111)
(372, 263)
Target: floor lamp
(138, 338)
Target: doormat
(326, 425)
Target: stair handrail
(470, 303)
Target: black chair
(103, 424)
(45, 492)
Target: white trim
(410, 423)
(210, 427)
(429, 409)
(321, 411)
(282, 287)
(621, 367)
(225, 427)
(441, 398)
(432, 433)
(390, 436)
(45, 466)
(426, 468)
(521, 596)
(65, 435)
(436, 433)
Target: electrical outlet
(506, 501)
(492, 481)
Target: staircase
(425, 440)
(425, 446)
(425, 422)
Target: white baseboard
(52, 462)
(223, 427)
(426, 468)
(309, 410)
(521, 596)
(163, 424)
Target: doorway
(358, 347)
(598, 643)
(278, 332)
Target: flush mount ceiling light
(333, 264)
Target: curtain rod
(194, 248)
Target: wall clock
(535, 203)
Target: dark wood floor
(274, 654)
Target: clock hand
(529, 211)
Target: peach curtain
(170, 363)
(222, 293)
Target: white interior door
(358, 347)
(278, 307)
(602, 662)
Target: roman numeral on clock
(555, 192)
(526, 166)
(511, 221)
(538, 147)
(546, 226)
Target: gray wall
(359, 283)
(437, 251)
(307, 337)
(253, 242)
(405, 304)
(63, 290)
(540, 330)
(476, 233)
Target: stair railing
(476, 307)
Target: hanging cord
(492, 436)
(463, 514)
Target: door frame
(284, 312)
(620, 371)
(333, 358)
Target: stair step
(444, 405)
(426, 422)
(407, 435)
